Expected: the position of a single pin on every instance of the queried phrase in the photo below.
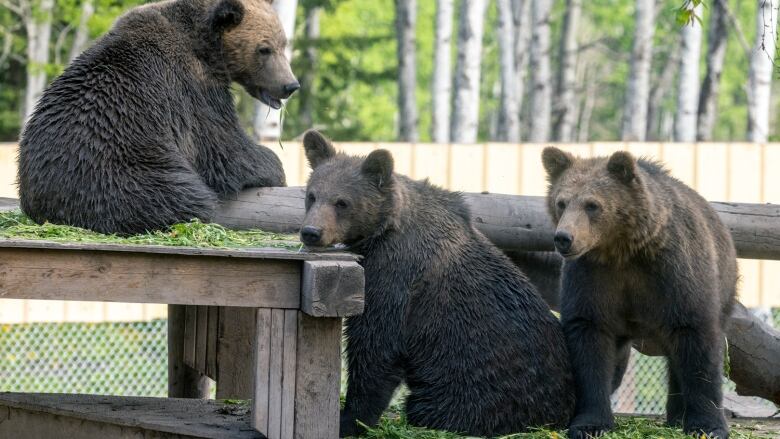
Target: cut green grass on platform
(393, 426)
(14, 224)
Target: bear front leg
(622, 355)
(375, 370)
(675, 405)
(696, 361)
(592, 353)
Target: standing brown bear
(445, 311)
(140, 131)
(645, 257)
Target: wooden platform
(47, 416)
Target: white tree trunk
(307, 79)
(82, 31)
(717, 37)
(638, 89)
(508, 129)
(761, 63)
(38, 25)
(266, 124)
(441, 85)
(541, 79)
(521, 11)
(405, 23)
(660, 91)
(467, 72)
(566, 102)
(688, 82)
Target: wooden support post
(235, 347)
(183, 381)
(332, 288)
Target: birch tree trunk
(312, 32)
(761, 63)
(81, 37)
(38, 24)
(521, 11)
(405, 22)
(467, 72)
(541, 79)
(441, 86)
(508, 129)
(566, 99)
(266, 123)
(637, 91)
(659, 92)
(717, 37)
(688, 85)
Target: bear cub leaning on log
(140, 131)
(646, 257)
(445, 311)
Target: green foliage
(15, 224)
(686, 14)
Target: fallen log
(520, 226)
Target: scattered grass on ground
(14, 224)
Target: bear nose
(311, 235)
(563, 242)
(290, 88)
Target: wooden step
(51, 415)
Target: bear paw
(349, 427)
(707, 432)
(586, 427)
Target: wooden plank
(275, 376)
(332, 288)
(318, 377)
(148, 278)
(201, 338)
(190, 335)
(8, 204)
(183, 381)
(235, 351)
(289, 363)
(211, 344)
(262, 357)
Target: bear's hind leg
(695, 359)
(370, 388)
(675, 405)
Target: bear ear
(622, 166)
(378, 167)
(226, 15)
(556, 161)
(318, 148)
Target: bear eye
(264, 50)
(310, 198)
(341, 204)
(592, 207)
(561, 204)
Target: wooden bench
(294, 302)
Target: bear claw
(587, 431)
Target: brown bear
(445, 312)
(140, 131)
(645, 257)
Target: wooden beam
(332, 288)
(183, 381)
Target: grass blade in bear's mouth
(269, 100)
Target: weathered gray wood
(190, 335)
(235, 353)
(47, 416)
(262, 368)
(8, 204)
(211, 344)
(275, 375)
(318, 377)
(148, 278)
(511, 222)
(183, 381)
(289, 364)
(332, 288)
(201, 338)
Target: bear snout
(563, 241)
(289, 89)
(311, 235)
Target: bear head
(600, 206)
(253, 45)
(348, 199)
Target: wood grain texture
(148, 278)
(275, 374)
(332, 288)
(289, 364)
(318, 377)
(201, 338)
(190, 335)
(261, 413)
(235, 353)
(183, 381)
(211, 343)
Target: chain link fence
(130, 359)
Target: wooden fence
(740, 172)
